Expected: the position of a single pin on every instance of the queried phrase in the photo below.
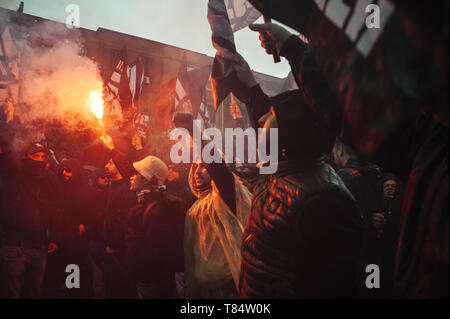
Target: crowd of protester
(149, 229)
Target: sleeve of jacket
(323, 103)
(224, 181)
(314, 86)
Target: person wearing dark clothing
(360, 179)
(392, 190)
(75, 203)
(381, 214)
(154, 236)
(362, 182)
(100, 189)
(385, 224)
(120, 200)
(26, 214)
(304, 234)
(69, 229)
(399, 124)
(178, 185)
(100, 185)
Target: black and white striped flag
(190, 89)
(112, 104)
(119, 85)
(182, 99)
(136, 71)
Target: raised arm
(218, 172)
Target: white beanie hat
(152, 166)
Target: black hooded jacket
(120, 200)
(303, 236)
(361, 181)
(74, 202)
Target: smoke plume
(56, 82)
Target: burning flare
(97, 109)
(96, 104)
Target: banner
(241, 14)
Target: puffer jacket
(303, 236)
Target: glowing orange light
(96, 104)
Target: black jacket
(75, 199)
(154, 241)
(303, 236)
(361, 181)
(120, 200)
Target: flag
(164, 105)
(182, 100)
(205, 116)
(119, 90)
(190, 88)
(136, 70)
(241, 14)
(223, 76)
(192, 85)
(184, 93)
(195, 84)
(235, 111)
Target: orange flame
(97, 109)
(96, 104)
